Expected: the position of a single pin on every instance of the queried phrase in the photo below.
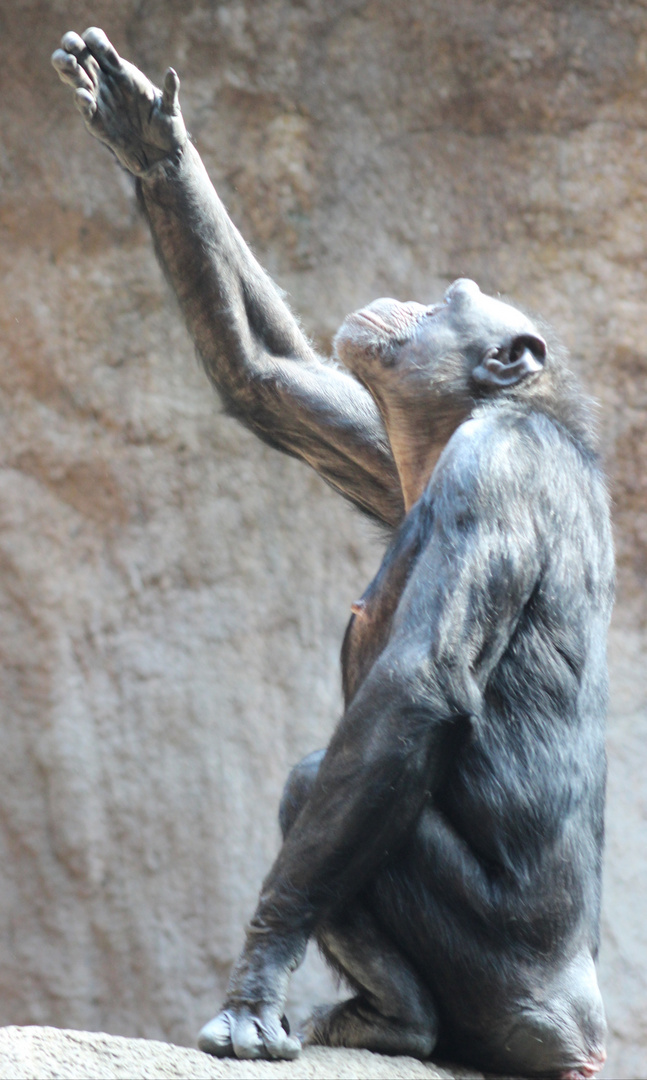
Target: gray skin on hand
(141, 124)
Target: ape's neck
(417, 442)
(415, 464)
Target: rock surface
(172, 594)
(33, 1053)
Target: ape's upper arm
(253, 349)
(315, 412)
(481, 563)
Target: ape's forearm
(233, 311)
(368, 793)
(362, 806)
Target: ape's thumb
(170, 92)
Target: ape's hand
(141, 124)
(251, 1022)
(244, 1032)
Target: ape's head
(427, 367)
(467, 347)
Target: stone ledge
(43, 1053)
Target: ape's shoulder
(506, 455)
(505, 436)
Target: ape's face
(412, 353)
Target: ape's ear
(508, 366)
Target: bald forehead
(500, 312)
(480, 316)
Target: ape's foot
(355, 1023)
(245, 1033)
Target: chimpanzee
(445, 850)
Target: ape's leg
(392, 1012)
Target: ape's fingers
(70, 71)
(170, 92)
(85, 103)
(279, 1044)
(245, 1037)
(102, 50)
(73, 43)
(215, 1037)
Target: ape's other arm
(398, 736)
(251, 346)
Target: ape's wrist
(263, 969)
(168, 168)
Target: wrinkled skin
(445, 849)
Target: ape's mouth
(392, 319)
(370, 317)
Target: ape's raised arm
(251, 346)
(253, 350)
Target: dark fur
(484, 691)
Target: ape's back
(526, 789)
(505, 861)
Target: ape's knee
(297, 789)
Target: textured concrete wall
(173, 595)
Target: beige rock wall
(172, 594)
